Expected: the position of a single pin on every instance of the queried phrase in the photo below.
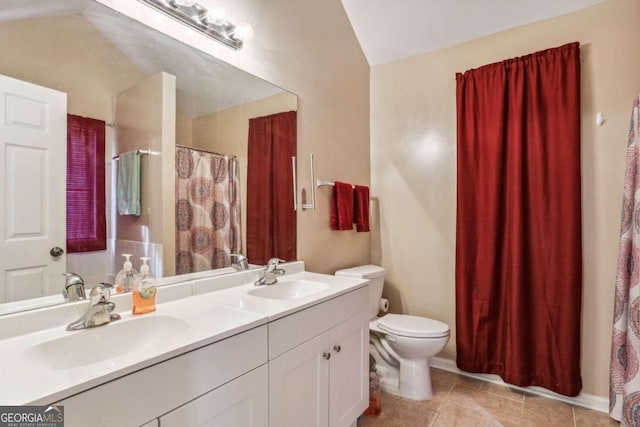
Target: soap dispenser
(144, 290)
(126, 276)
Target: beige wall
(227, 132)
(167, 172)
(184, 129)
(43, 51)
(413, 164)
(308, 48)
(145, 119)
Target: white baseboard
(585, 400)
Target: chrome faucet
(73, 288)
(240, 263)
(270, 272)
(100, 309)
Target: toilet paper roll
(384, 305)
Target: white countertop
(240, 298)
(34, 374)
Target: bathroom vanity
(226, 381)
(319, 363)
(218, 351)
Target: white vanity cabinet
(309, 368)
(231, 366)
(319, 364)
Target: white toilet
(401, 344)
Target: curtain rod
(148, 152)
(204, 151)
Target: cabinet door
(299, 385)
(349, 376)
(241, 403)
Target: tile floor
(467, 402)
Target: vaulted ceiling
(391, 30)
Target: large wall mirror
(184, 115)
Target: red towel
(342, 207)
(361, 208)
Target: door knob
(326, 355)
(56, 252)
(337, 348)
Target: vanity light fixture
(211, 23)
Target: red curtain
(271, 220)
(86, 216)
(518, 231)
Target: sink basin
(289, 290)
(105, 342)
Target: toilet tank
(375, 275)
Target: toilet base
(415, 385)
(413, 382)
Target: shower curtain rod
(204, 151)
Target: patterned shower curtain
(208, 226)
(624, 395)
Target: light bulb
(215, 16)
(185, 3)
(243, 32)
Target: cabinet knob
(326, 355)
(337, 348)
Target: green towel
(129, 183)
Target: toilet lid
(413, 326)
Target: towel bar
(141, 152)
(328, 183)
(311, 205)
(294, 170)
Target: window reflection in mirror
(153, 94)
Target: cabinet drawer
(293, 330)
(146, 394)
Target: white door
(33, 141)
(349, 375)
(299, 385)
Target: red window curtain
(86, 216)
(518, 231)
(271, 220)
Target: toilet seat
(406, 325)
